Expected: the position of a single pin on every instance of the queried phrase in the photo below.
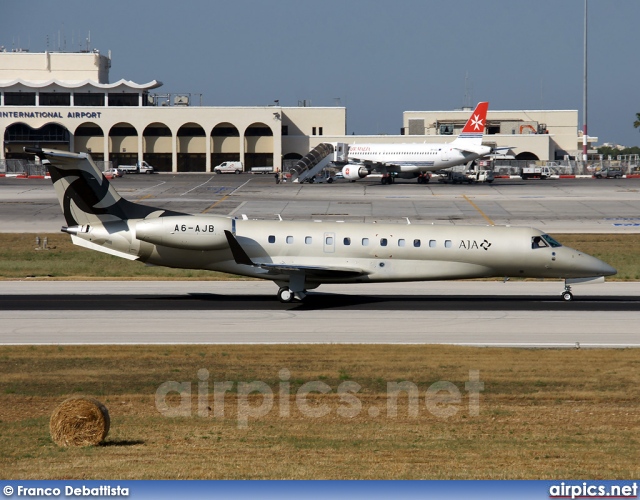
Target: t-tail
(86, 196)
(473, 130)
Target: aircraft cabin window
(289, 240)
(308, 240)
(383, 242)
(365, 242)
(329, 240)
(416, 243)
(347, 241)
(447, 243)
(401, 243)
(272, 238)
(432, 243)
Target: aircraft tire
(285, 295)
(567, 296)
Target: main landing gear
(386, 179)
(286, 295)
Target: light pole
(584, 93)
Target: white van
(229, 167)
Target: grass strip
(19, 259)
(542, 414)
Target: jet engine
(189, 232)
(354, 172)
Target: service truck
(535, 172)
(141, 167)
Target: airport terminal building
(64, 100)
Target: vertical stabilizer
(86, 196)
(473, 130)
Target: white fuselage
(417, 157)
(374, 252)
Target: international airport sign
(51, 114)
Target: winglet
(239, 255)
(476, 122)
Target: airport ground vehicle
(141, 167)
(228, 167)
(452, 177)
(262, 170)
(483, 175)
(535, 172)
(114, 172)
(608, 173)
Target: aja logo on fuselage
(473, 245)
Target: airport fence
(30, 168)
(565, 167)
(22, 167)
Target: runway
(518, 314)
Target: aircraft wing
(326, 272)
(313, 271)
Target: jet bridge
(317, 159)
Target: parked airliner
(409, 160)
(301, 255)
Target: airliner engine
(188, 232)
(354, 172)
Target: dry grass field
(541, 413)
(63, 260)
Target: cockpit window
(544, 241)
(552, 243)
(538, 242)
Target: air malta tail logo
(478, 118)
(476, 122)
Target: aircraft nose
(593, 266)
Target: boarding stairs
(313, 162)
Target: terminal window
(55, 99)
(19, 98)
(88, 99)
(124, 99)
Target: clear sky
(378, 57)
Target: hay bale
(79, 421)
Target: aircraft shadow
(317, 301)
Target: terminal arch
(123, 144)
(89, 137)
(526, 155)
(19, 135)
(258, 146)
(225, 143)
(157, 146)
(289, 160)
(191, 148)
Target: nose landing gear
(286, 295)
(567, 296)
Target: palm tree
(636, 124)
